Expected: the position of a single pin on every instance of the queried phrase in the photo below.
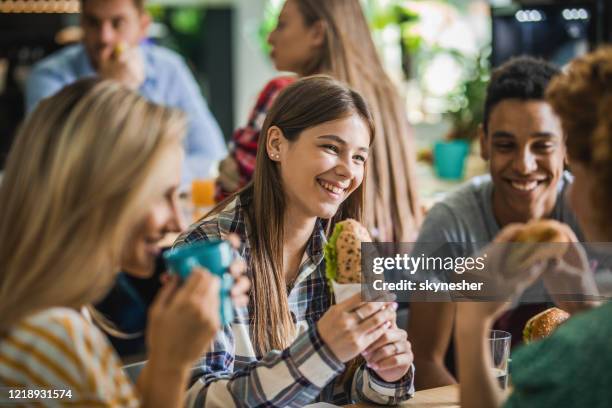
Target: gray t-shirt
(466, 215)
(465, 218)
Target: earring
(276, 156)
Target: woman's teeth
(524, 186)
(329, 187)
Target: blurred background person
(333, 37)
(571, 367)
(114, 47)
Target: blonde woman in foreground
(90, 187)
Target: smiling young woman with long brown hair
(333, 38)
(290, 346)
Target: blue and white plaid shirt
(168, 82)
(231, 373)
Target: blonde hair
(582, 97)
(77, 181)
(391, 207)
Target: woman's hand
(504, 276)
(391, 355)
(242, 284)
(570, 280)
(348, 328)
(183, 320)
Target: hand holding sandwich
(570, 278)
(391, 355)
(124, 64)
(348, 328)
(371, 324)
(518, 256)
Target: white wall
(252, 69)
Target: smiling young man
(115, 46)
(522, 140)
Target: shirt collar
(235, 212)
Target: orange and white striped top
(58, 349)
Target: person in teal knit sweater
(572, 367)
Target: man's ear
(145, 22)
(484, 145)
(274, 143)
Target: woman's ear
(274, 142)
(317, 32)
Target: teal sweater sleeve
(571, 368)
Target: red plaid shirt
(245, 139)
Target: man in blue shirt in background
(113, 47)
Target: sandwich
(343, 252)
(542, 231)
(543, 324)
(539, 232)
(120, 48)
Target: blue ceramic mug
(216, 256)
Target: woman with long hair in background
(333, 38)
(90, 188)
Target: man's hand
(125, 64)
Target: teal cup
(449, 159)
(216, 256)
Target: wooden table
(447, 397)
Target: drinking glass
(499, 342)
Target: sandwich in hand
(542, 231)
(343, 257)
(543, 324)
(539, 232)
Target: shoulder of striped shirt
(59, 339)
(62, 330)
(59, 347)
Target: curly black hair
(522, 78)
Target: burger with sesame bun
(543, 324)
(343, 257)
(549, 235)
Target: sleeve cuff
(313, 359)
(380, 391)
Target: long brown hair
(78, 178)
(582, 97)
(306, 103)
(392, 211)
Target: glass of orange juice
(202, 196)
